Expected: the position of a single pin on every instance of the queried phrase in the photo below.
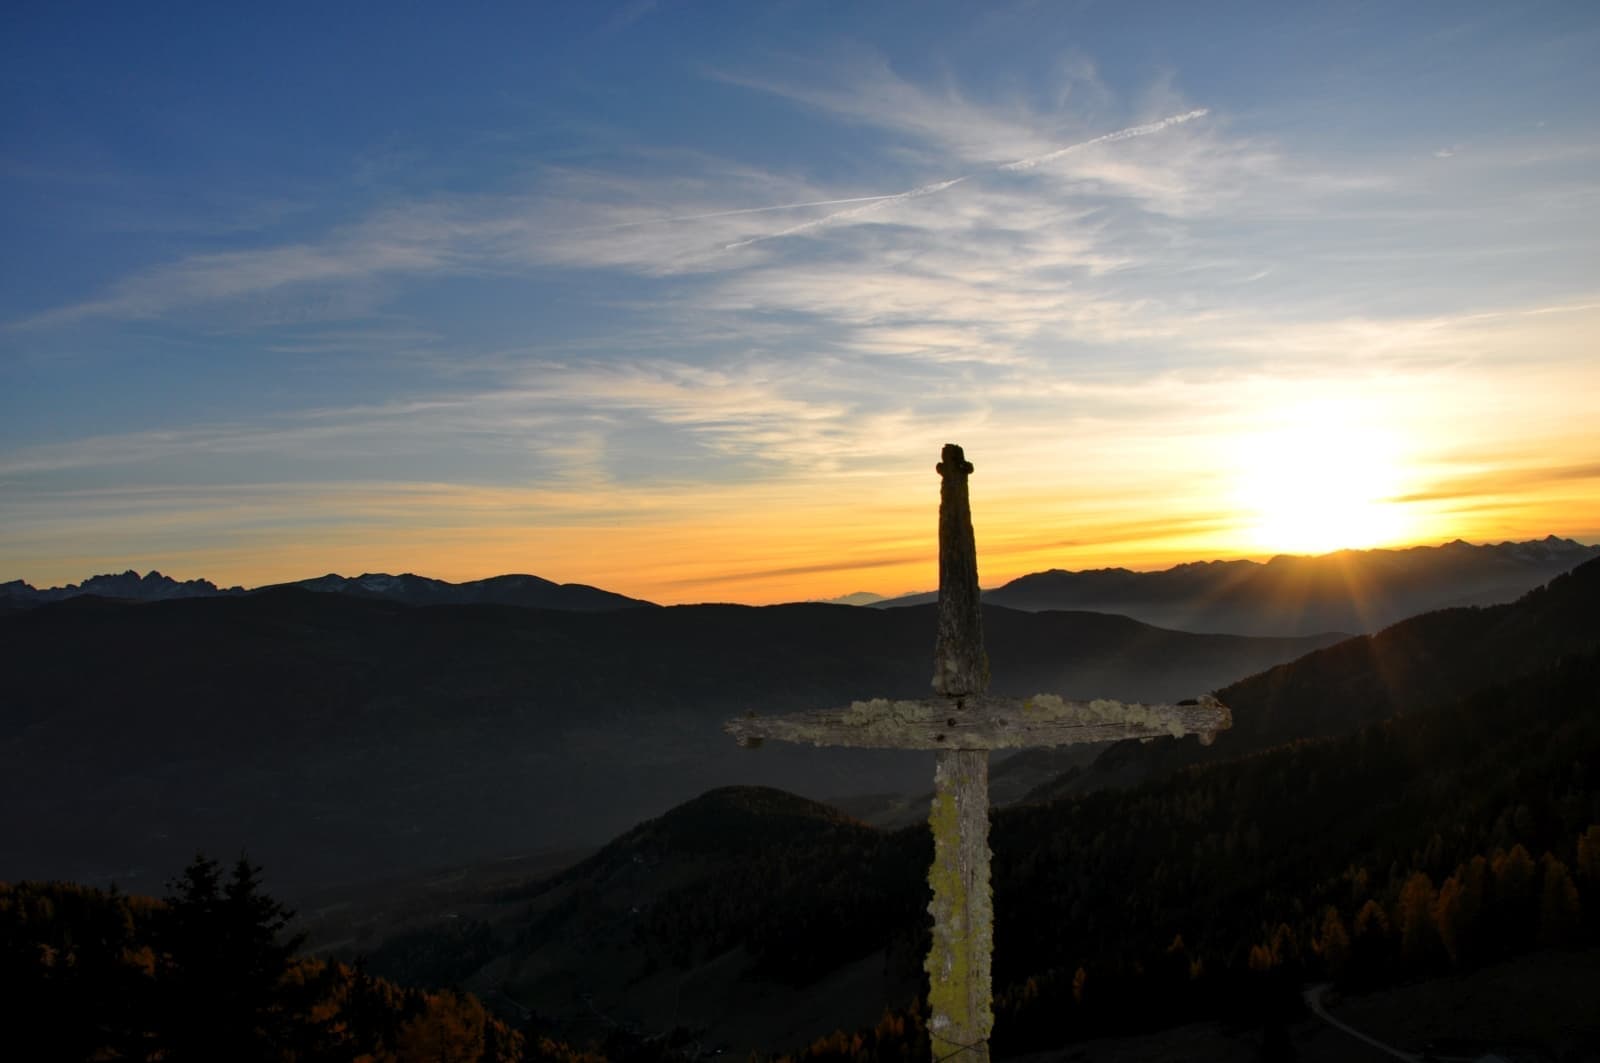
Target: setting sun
(1320, 478)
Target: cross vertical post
(960, 1012)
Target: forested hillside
(207, 974)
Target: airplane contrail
(1121, 134)
(874, 202)
(863, 204)
(878, 201)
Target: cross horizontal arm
(983, 722)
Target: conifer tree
(222, 965)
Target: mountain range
(528, 591)
(1425, 660)
(1353, 591)
(1357, 591)
(346, 735)
(151, 587)
(344, 738)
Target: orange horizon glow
(772, 557)
(1240, 467)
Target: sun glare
(1320, 478)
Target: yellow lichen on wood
(1105, 710)
(979, 721)
(959, 1004)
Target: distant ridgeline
(1426, 660)
(528, 591)
(152, 587)
(1351, 590)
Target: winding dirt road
(1313, 998)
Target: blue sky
(682, 299)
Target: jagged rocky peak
(152, 586)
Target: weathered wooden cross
(963, 723)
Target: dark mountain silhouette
(345, 738)
(1422, 661)
(1357, 591)
(729, 821)
(855, 598)
(151, 587)
(529, 591)
(713, 887)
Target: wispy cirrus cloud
(1108, 239)
(389, 243)
(941, 124)
(872, 203)
(554, 423)
(664, 226)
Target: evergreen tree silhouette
(223, 962)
